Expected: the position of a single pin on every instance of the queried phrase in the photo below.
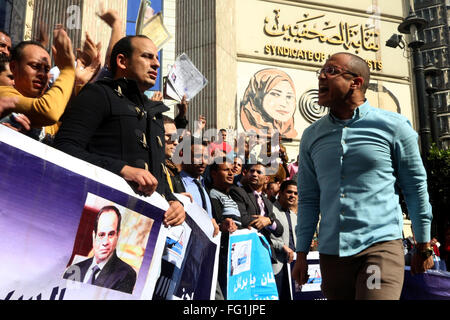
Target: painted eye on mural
(274, 93)
(308, 106)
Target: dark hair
(167, 119)
(271, 182)
(5, 33)
(107, 209)
(250, 165)
(286, 184)
(17, 51)
(214, 166)
(123, 46)
(4, 60)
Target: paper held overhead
(169, 92)
(151, 25)
(184, 79)
(155, 29)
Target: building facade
(12, 18)
(240, 45)
(436, 37)
(235, 43)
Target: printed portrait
(109, 247)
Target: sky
(133, 8)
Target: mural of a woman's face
(269, 103)
(279, 102)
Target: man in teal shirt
(353, 162)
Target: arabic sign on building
(294, 106)
(303, 34)
(349, 35)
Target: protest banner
(49, 203)
(190, 260)
(311, 289)
(430, 285)
(250, 274)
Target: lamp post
(431, 71)
(412, 25)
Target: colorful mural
(284, 100)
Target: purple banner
(47, 216)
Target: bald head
(359, 66)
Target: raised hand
(62, 48)
(89, 51)
(157, 96)
(110, 16)
(84, 72)
(183, 106)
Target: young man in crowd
(5, 44)
(190, 179)
(226, 213)
(284, 246)
(255, 209)
(112, 124)
(30, 66)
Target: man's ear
(122, 61)
(357, 83)
(13, 66)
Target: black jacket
(112, 124)
(248, 206)
(116, 274)
(178, 186)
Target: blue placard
(250, 274)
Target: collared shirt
(350, 172)
(101, 265)
(291, 232)
(192, 188)
(293, 169)
(262, 206)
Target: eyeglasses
(334, 71)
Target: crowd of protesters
(98, 112)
